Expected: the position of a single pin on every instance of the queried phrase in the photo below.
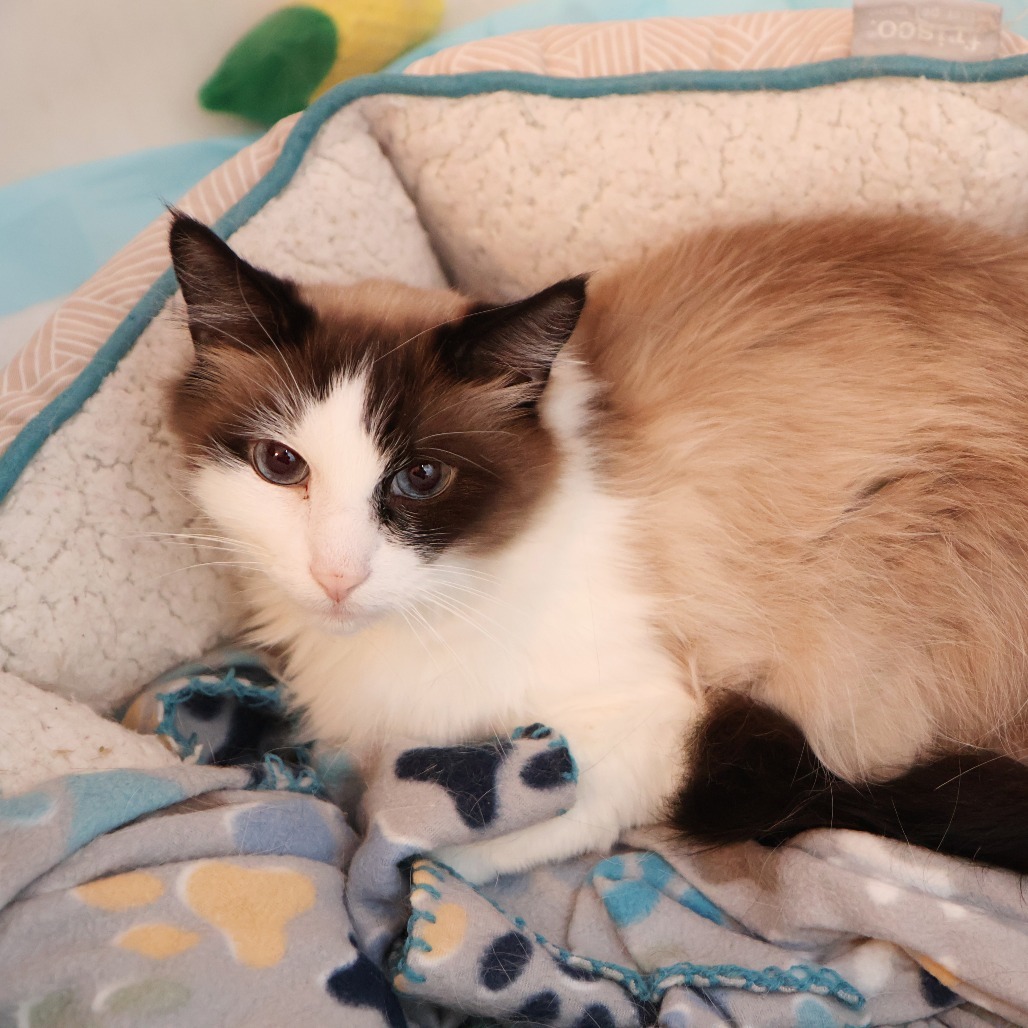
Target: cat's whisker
(432, 450)
(417, 614)
(463, 571)
(471, 572)
(438, 593)
(438, 412)
(179, 535)
(447, 573)
(968, 770)
(202, 547)
(260, 324)
(471, 590)
(202, 543)
(467, 431)
(171, 538)
(213, 564)
(404, 611)
(454, 608)
(216, 327)
(435, 328)
(623, 735)
(287, 397)
(410, 339)
(198, 545)
(479, 594)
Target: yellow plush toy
(298, 52)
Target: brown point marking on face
(266, 349)
(420, 409)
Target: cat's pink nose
(335, 584)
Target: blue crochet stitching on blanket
(228, 714)
(476, 787)
(617, 939)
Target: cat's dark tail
(753, 776)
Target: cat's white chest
(553, 630)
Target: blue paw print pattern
(631, 886)
(935, 993)
(293, 827)
(552, 768)
(516, 975)
(596, 1016)
(30, 808)
(362, 986)
(506, 971)
(541, 1009)
(41, 828)
(467, 773)
(32, 830)
(549, 770)
(812, 1013)
(504, 961)
(106, 800)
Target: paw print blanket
(238, 895)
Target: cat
(745, 519)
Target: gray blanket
(223, 896)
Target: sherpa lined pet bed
(229, 909)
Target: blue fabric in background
(56, 229)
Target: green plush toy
(297, 53)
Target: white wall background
(84, 79)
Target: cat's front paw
(471, 862)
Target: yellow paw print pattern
(121, 892)
(157, 941)
(445, 934)
(250, 907)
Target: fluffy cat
(783, 463)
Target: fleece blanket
(235, 895)
(498, 182)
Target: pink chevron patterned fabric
(65, 344)
(778, 39)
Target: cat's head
(347, 439)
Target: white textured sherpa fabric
(96, 594)
(344, 216)
(43, 735)
(518, 191)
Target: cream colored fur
(791, 459)
(544, 631)
(825, 427)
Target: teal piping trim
(807, 76)
(648, 987)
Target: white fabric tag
(954, 30)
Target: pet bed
(500, 181)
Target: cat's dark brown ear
(518, 342)
(228, 301)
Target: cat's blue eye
(277, 463)
(421, 481)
